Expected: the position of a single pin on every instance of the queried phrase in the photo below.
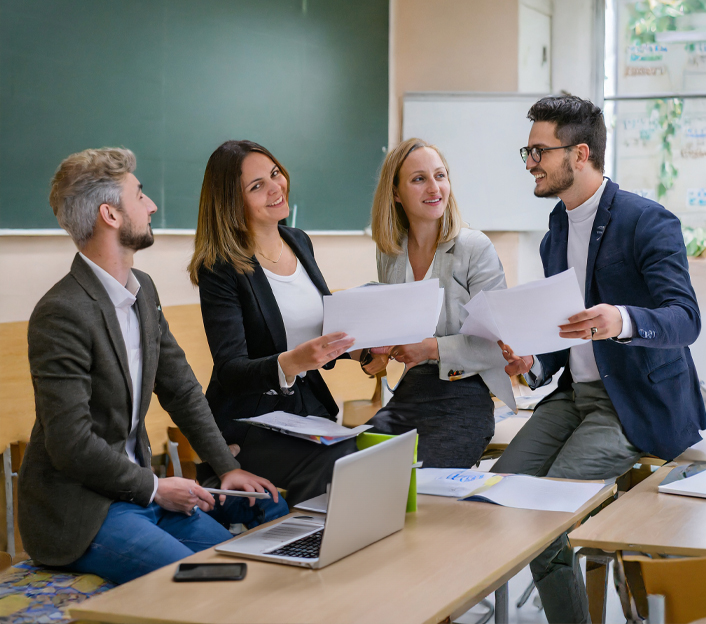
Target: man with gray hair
(99, 346)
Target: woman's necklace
(281, 250)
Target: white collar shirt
(124, 298)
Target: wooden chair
(360, 411)
(11, 462)
(679, 581)
(182, 457)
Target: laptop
(367, 501)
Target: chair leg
(525, 595)
(597, 563)
(172, 450)
(9, 501)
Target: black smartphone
(211, 572)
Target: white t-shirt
(300, 304)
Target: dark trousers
(454, 419)
(301, 467)
(574, 434)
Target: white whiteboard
(481, 134)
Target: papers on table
(318, 504)
(527, 317)
(451, 481)
(519, 491)
(687, 480)
(523, 492)
(379, 315)
(313, 428)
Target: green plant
(666, 115)
(649, 17)
(695, 241)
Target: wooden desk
(641, 520)
(449, 556)
(647, 521)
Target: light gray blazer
(465, 266)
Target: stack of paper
(527, 317)
(523, 492)
(313, 428)
(381, 315)
(519, 491)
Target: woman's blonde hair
(222, 231)
(389, 221)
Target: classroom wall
(455, 45)
(30, 265)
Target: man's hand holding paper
(528, 317)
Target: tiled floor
(530, 613)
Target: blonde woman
(261, 301)
(419, 233)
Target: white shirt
(302, 308)
(582, 361)
(124, 298)
(409, 274)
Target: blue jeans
(135, 540)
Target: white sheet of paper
(318, 504)
(306, 425)
(385, 314)
(692, 486)
(527, 317)
(454, 482)
(525, 492)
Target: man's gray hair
(83, 182)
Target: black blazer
(246, 334)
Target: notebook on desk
(367, 502)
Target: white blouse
(300, 303)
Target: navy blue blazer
(246, 334)
(637, 258)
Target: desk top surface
(450, 555)
(647, 521)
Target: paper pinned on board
(527, 317)
(382, 315)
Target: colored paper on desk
(524, 492)
(366, 440)
(385, 314)
(454, 482)
(527, 317)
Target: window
(655, 102)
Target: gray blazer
(75, 465)
(464, 266)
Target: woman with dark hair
(261, 301)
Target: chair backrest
(680, 581)
(185, 455)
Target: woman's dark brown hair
(222, 231)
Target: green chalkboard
(173, 79)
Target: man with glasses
(631, 388)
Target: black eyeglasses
(536, 152)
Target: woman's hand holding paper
(411, 354)
(517, 364)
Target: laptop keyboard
(305, 548)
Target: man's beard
(563, 180)
(132, 239)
